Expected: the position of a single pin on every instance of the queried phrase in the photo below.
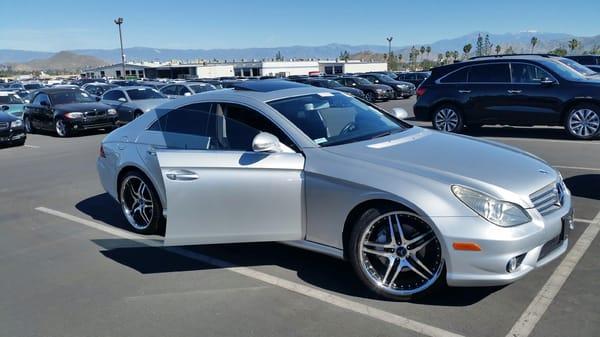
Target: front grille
(550, 246)
(4, 125)
(548, 199)
(94, 113)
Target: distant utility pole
(389, 40)
(119, 22)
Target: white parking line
(532, 315)
(31, 146)
(577, 168)
(301, 289)
(575, 142)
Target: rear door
(227, 192)
(490, 92)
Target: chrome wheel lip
(60, 127)
(380, 284)
(446, 119)
(143, 201)
(584, 122)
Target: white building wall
(364, 67)
(213, 71)
(273, 68)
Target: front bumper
(12, 135)
(536, 243)
(385, 95)
(90, 124)
(405, 92)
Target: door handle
(182, 175)
(514, 91)
(465, 91)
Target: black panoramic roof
(267, 85)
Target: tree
(467, 50)
(509, 50)
(428, 50)
(573, 44)
(392, 62)
(479, 51)
(534, 42)
(448, 55)
(422, 50)
(278, 56)
(498, 49)
(487, 45)
(559, 51)
(440, 57)
(344, 56)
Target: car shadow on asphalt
(315, 269)
(584, 186)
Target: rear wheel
(28, 126)
(447, 118)
(396, 254)
(583, 121)
(140, 203)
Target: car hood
(377, 86)
(4, 117)
(76, 107)
(147, 104)
(14, 109)
(493, 168)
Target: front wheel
(370, 97)
(28, 126)
(396, 254)
(583, 121)
(61, 128)
(448, 118)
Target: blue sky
(60, 24)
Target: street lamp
(119, 22)
(389, 40)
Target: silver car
(133, 101)
(409, 208)
(177, 90)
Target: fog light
(514, 263)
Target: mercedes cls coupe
(409, 208)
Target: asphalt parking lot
(69, 267)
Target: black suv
(373, 92)
(523, 90)
(401, 89)
(415, 78)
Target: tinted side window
(169, 90)
(183, 90)
(186, 127)
(459, 76)
(527, 73)
(490, 73)
(236, 126)
(113, 95)
(39, 98)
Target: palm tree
(448, 55)
(428, 50)
(422, 50)
(534, 42)
(498, 49)
(573, 44)
(467, 49)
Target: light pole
(119, 22)
(389, 40)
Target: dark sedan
(401, 89)
(373, 92)
(67, 110)
(12, 131)
(415, 78)
(331, 84)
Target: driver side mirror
(122, 99)
(5, 107)
(266, 142)
(98, 98)
(547, 81)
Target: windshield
(202, 87)
(71, 96)
(362, 81)
(32, 86)
(334, 118)
(577, 66)
(11, 99)
(332, 84)
(563, 70)
(143, 93)
(384, 78)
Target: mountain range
(520, 42)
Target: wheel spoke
(418, 238)
(378, 245)
(377, 252)
(391, 262)
(421, 245)
(399, 267)
(415, 270)
(415, 258)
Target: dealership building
(238, 69)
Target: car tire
(140, 203)
(370, 97)
(28, 126)
(417, 267)
(448, 118)
(583, 121)
(61, 128)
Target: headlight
(498, 212)
(111, 112)
(72, 115)
(16, 124)
(379, 90)
(401, 86)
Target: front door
(230, 196)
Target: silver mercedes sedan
(411, 209)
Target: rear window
(490, 73)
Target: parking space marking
(31, 146)
(545, 140)
(531, 316)
(301, 289)
(577, 168)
